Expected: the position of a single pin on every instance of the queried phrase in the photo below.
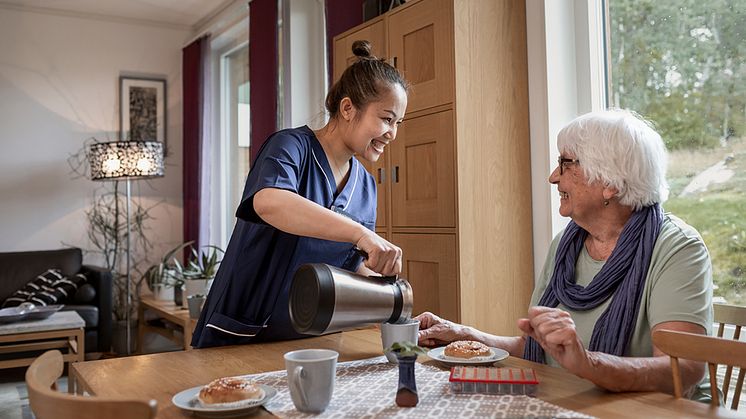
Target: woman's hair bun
(362, 49)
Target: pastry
(230, 389)
(467, 349)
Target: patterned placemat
(367, 389)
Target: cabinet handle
(394, 58)
(381, 175)
(396, 174)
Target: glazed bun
(229, 390)
(362, 49)
(467, 349)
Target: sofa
(92, 301)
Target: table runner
(367, 389)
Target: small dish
(187, 400)
(497, 355)
(30, 312)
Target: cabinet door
(378, 170)
(429, 265)
(422, 172)
(421, 46)
(343, 55)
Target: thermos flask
(325, 299)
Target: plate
(16, 314)
(497, 355)
(187, 400)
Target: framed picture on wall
(142, 110)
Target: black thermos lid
(311, 300)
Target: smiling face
(374, 126)
(579, 200)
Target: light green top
(678, 286)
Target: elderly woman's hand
(554, 330)
(435, 331)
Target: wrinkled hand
(435, 331)
(383, 257)
(555, 331)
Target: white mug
(398, 332)
(311, 375)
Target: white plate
(187, 400)
(497, 355)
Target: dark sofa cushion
(18, 268)
(51, 287)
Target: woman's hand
(435, 331)
(383, 257)
(555, 331)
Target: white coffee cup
(311, 375)
(398, 332)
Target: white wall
(59, 83)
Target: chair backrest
(46, 402)
(729, 315)
(712, 350)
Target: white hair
(621, 150)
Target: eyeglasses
(562, 162)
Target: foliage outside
(682, 65)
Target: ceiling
(187, 14)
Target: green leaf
(406, 348)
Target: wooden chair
(734, 316)
(46, 402)
(712, 350)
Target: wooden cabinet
(421, 46)
(422, 172)
(429, 265)
(454, 187)
(373, 31)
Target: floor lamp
(126, 160)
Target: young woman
(307, 200)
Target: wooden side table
(62, 330)
(165, 310)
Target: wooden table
(165, 310)
(62, 330)
(161, 376)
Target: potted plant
(406, 353)
(199, 272)
(162, 278)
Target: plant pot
(179, 295)
(195, 303)
(406, 395)
(163, 292)
(119, 337)
(196, 286)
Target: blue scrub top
(248, 301)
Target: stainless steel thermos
(325, 299)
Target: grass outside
(719, 213)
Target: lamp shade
(126, 160)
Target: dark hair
(363, 80)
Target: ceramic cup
(398, 332)
(311, 376)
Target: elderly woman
(620, 270)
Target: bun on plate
(230, 389)
(467, 349)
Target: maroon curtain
(341, 15)
(192, 77)
(263, 71)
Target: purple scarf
(622, 278)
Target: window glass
(235, 128)
(682, 65)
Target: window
(682, 65)
(235, 127)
